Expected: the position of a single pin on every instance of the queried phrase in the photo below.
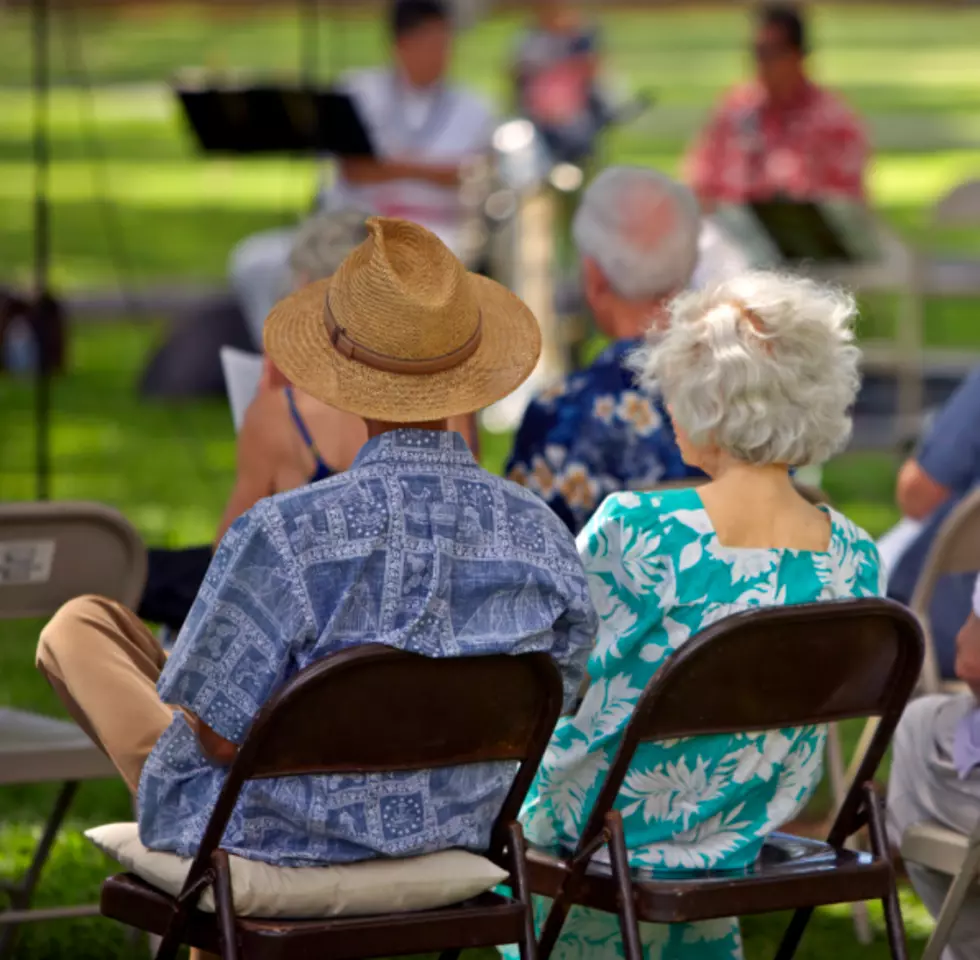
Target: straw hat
(402, 332)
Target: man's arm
(948, 460)
(968, 653)
(364, 171)
(846, 152)
(917, 494)
(705, 161)
(236, 645)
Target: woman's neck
(759, 507)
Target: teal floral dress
(658, 575)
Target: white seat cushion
(349, 890)
(935, 847)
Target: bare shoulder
(262, 428)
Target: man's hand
(917, 494)
(968, 654)
(216, 748)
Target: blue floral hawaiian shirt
(593, 434)
(415, 547)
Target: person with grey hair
(598, 431)
(287, 440)
(759, 374)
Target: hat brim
(297, 341)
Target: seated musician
(288, 438)
(556, 80)
(781, 135)
(759, 375)
(425, 131)
(415, 547)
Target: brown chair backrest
(780, 667)
(814, 495)
(52, 552)
(955, 549)
(372, 709)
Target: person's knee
(65, 632)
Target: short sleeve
(950, 453)
(235, 647)
(628, 577)
(704, 166)
(976, 598)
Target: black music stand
(783, 232)
(264, 119)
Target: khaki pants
(104, 665)
(924, 785)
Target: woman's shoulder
(649, 510)
(855, 554)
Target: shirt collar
(416, 446)
(802, 98)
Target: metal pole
(42, 384)
(309, 26)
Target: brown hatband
(348, 347)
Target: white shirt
(443, 125)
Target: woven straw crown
(422, 305)
(403, 333)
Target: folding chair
(956, 549)
(50, 553)
(760, 670)
(365, 710)
(954, 854)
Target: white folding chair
(49, 554)
(955, 854)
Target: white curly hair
(764, 366)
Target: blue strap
(322, 470)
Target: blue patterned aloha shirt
(415, 547)
(659, 575)
(593, 434)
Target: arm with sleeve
(236, 646)
(950, 453)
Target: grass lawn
(168, 468)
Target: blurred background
(142, 224)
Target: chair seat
(936, 847)
(791, 872)
(487, 920)
(38, 749)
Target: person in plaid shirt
(782, 135)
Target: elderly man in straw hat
(415, 547)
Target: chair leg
(22, 893)
(225, 905)
(955, 896)
(894, 925)
(529, 946)
(619, 860)
(794, 933)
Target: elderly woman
(758, 374)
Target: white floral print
(658, 575)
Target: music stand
(264, 119)
(782, 232)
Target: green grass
(168, 468)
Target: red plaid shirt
(753, 149)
